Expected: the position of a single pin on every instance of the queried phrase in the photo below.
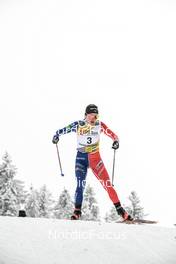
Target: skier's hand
(55, 139)
(115, 144)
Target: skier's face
(91, 118)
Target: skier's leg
(81, 172)
(98, 168)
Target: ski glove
(55, 139)
(115, 144)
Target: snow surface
(34, 241)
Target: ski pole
(113, 167)
(59, 160)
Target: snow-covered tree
(135, 208)
(32, 203)
(45, 202)
(90, 209)
(21, 193)
(112, 215)
(11, 190)
(64, 206)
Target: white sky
(58, 56)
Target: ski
(137, 221)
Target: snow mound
(52, 241)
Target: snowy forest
(40, 203)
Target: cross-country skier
(88, 137)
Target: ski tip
(62, 174)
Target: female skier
(88, 156)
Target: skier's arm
(70, 128)
(108, 132)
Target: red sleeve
(108, 132)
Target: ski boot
(76, 214)
(121, 211)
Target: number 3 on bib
(89, 140)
